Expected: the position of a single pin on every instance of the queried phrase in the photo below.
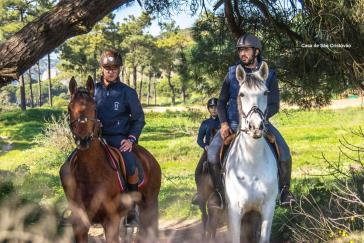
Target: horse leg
(80, 231)
(111, 228)
(235, 217)
(202, 206)
(267, 218)
(67, 180)
(149, 219)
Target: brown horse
(91, 184)
(211, 216)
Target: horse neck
(249, 149)
(94, 154)
(252, 144)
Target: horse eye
(241, 95)
(266, 92)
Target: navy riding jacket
(227, 107)
(204, 133)
(119, 110)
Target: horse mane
(252, 81)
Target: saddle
(268, 136)
(117, 163)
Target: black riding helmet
(212, 102)
(249, 40)
(111, 59)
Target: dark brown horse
(211, 216)
(91, 184)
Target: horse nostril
(250, 126)
(261, 126)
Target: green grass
(171, 138)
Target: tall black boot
(198, 176)
(285, 198)
(218, 199)
(132, 220)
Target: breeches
(129, 157)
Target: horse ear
(264, 71)
(240, 74)
(90, 85)
(72, 87)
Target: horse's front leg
(235, 215)
(111, 228)
(267, 218)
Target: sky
(183, 20)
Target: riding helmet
(249, 40)
(111, 58)
(212, 102)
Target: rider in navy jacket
(249, 49)
(119, 111)
(122, 118)
(203, 140)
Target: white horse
(251, 181)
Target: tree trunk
(95, 70)
(39, 86)
(135, 77)
(149, 85)
(49, 81)
(123, 73)
(171, 86)
(36, 39)
(128, 76)
(155, 90)
(141, 84)
(31, 88)
(184, 94)
(23, 102)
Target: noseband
(254, 109)
(83, 120)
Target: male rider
(249, 49)
(203, 140)
(122, 117)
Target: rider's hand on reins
(126, 145)
(225, 130)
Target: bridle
(254, 110)
(83, 120)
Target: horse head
(252, 100)
(84, 124)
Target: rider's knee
(130, 162)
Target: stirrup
(221, 204)
(66, 217)
(289, 199)
(132, 219)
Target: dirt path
(182, 231)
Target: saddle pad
(117, 162)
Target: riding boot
(132, 219)
(284, 169)
(198, 176)
(218, 199)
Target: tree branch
(229, 14)
(281, 26)
(38, 38)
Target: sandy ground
(182, 231)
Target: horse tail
(250, 227)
